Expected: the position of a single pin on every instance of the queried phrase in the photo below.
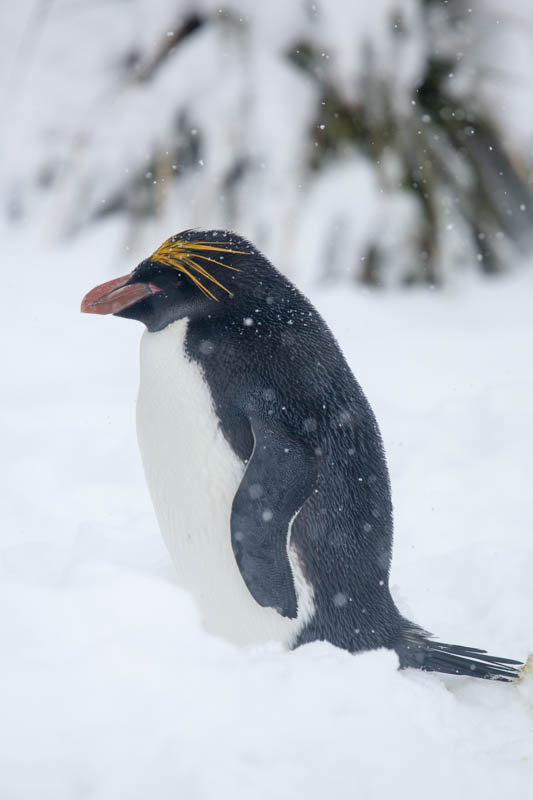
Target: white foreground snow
(110, 689)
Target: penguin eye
(168, 281)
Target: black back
(268, 355)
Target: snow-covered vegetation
(379, 141)
(124, 122)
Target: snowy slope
(110, 688)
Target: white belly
(193, 475)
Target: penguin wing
(278, 480)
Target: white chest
(193, 475)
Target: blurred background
(388, 143)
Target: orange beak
(115, 296)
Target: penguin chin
(159, 310)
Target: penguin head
(192, 274)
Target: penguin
(263, 458)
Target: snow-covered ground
(110, 689)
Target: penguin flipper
(278, 479)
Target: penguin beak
(115, 296)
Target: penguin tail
(418, 650)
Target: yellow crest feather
(182, 255)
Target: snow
(110, 687)
(508, 93)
